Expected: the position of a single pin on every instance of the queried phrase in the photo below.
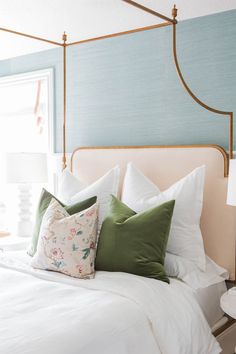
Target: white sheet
(116, 313)
(209, 300)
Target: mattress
(209, 300)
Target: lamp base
(4, 233)
(24, 227)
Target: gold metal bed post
(64, 38)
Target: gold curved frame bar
(195, 98)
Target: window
(26, 119)
(26, 112)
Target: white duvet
(116, 313)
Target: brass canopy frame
(168, 21)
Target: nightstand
(228, 304)
(13, 243)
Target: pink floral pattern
(67, 243)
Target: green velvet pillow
(44, 201)
(135, 243)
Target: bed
(46, 312)
(117, 295)
(120, 313)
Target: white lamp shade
(231, 195)
(26, 168)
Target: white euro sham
(185, 238)
(72, 190)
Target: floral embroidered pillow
(67, 243)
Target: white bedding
(116, 313)
(209, 301)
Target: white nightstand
(228, 304)
(13, 243)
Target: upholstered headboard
(164, 166)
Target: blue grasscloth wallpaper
(125, 90)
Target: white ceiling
(86, 18)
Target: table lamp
(231, 194)
(25, 169)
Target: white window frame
(37, 75)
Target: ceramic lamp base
(4, 233)
(24, 227)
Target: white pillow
(67, 243)
(187, 271)
(185, 238)
(69, 185)
(72, 190)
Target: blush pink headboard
(164, 166)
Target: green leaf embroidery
(74, 247)
(86, 252)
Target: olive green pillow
(135, 243)
(44, 201)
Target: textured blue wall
(125, 90)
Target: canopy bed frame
(167, 22)
(218, 220)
